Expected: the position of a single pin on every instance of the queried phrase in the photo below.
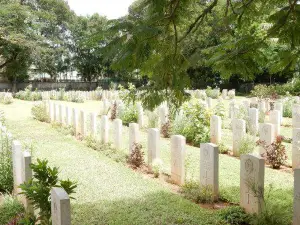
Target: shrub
(106, 149)
(264, 91)
(233, 215)
(129, 114)
(9, 209)
(261, 116)
(219, 109)
(6, 98)
(136, 158)
(287, 107)
(6, 166)
(37, 190)
(2, 117)
(193, 191)
(165, 129)
(275, 152)
(247, 144)
(156, 166)
(113, 114)
(212, 93)
(193, 122)
(39, 112)
(223, 149)
(152, 118)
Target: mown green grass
(105, 186)
(108, 192)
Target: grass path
(108, 192)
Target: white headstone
(252, 173)
(82, 123)
(296, 202)
(134, 135)
(68, 116)
(60, 113)
(262, 106)
(26, 176)
(60, 207)
(178, 159)
(93, 124)
(238, 131)
(209, 168)
(117, 133)
(55, 112)
(104, 129)
(153, 145)
(253, 121)
(209, 102)
(296, 116)
(163, 115)
(279, 106)
(224, 93)
(17, 165)
(231, 108)
(254, 100)
(140, 114)
(246, 105)
(275, 120)
(215, 129)
(51, 111)
(75, 120)
(266, 134)
(296, 148)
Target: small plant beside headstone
(136, 158)
(275, 153)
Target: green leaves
(38, 189)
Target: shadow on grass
(157, 208)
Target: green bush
(212, 93)
(219, 110)
(287, 107)
(193, 123)
(247, 144)
(37, 189)
(233, 215)
(129, 114)
(6, 98)
(6, 166)
(264, 91)
(9, 209)
(39, 112)
(193, 191)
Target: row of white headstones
(267, 131)
(252, 168)
(60, 202)
(87, 95)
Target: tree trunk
(14, 85)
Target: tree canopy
(171, 42)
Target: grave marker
(215, 129)
(153, 145)
(209, 168)
(60, 207)
(252, 173)
(177, 159)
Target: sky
(112, 9)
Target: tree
(164, 38)
(89, 40)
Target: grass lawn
(110, 193)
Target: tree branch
(199, 19)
